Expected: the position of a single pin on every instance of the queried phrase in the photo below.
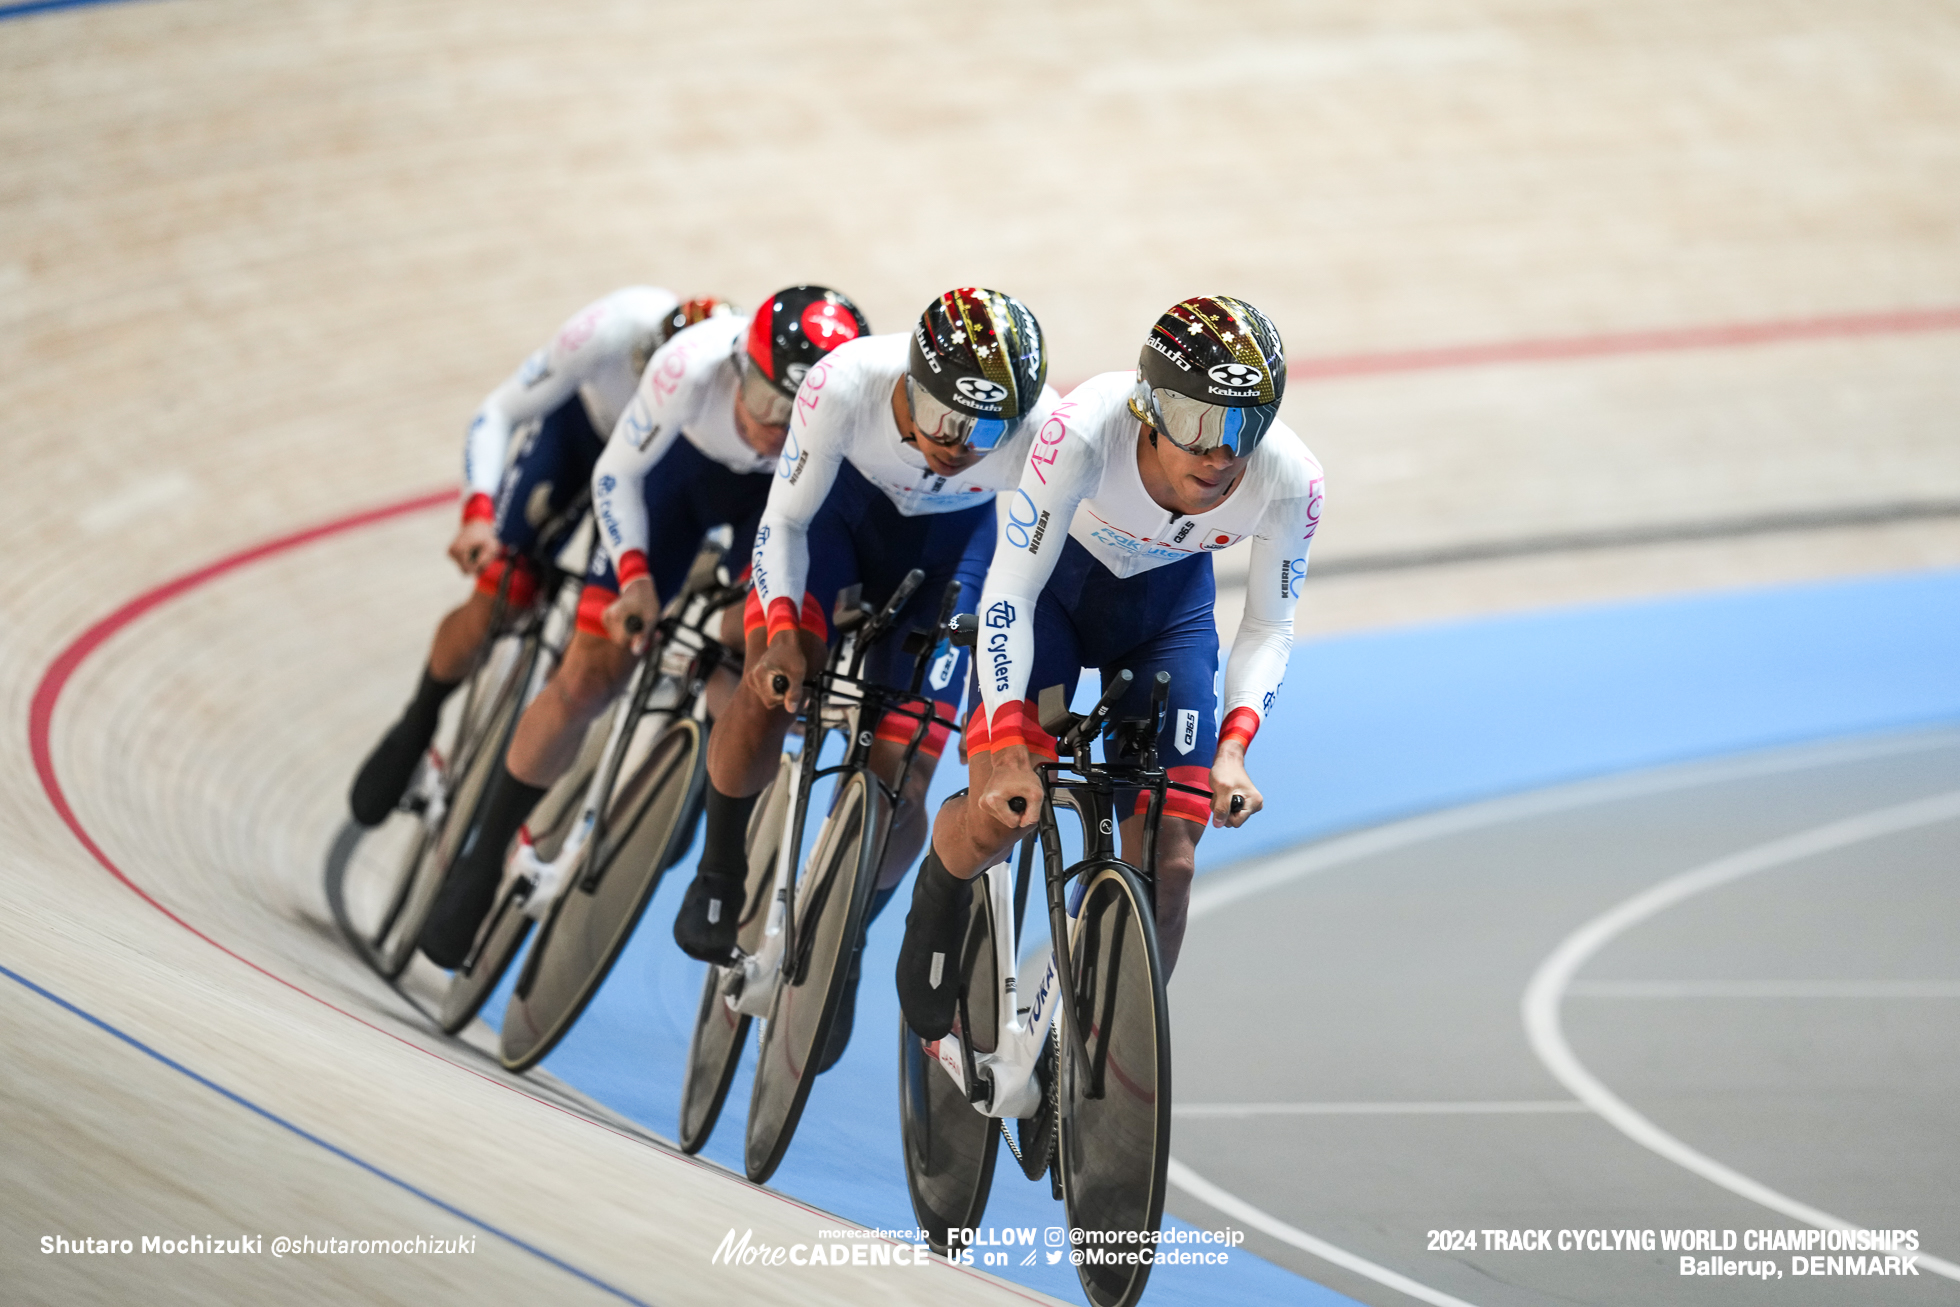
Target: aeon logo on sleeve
(981, 391)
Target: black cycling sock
(725, 838)
(928, 960)
(507, 804)
(388, 769)
(426, 707)
(470, 888)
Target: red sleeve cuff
(1009, 725)
(479, 508)
(632, 566)
(1241, 724)
(782, 616)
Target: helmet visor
(942, 425)
(1198, 428)
(760, 396)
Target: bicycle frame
(668, 683)
(1005, 1083)
(842, 701)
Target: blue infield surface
(1369, 728)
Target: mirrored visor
(943, 425)
(1197, 427)
(766, 404)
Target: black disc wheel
(949, 1147)
(827, 929)
(486, 731)
(1116, 1083)
(648, 825)
(720, 1031)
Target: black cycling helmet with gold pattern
(1212, 373)
(976, 369)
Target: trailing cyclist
(897, 448)
(568, 394)
(1104, 560)
(692, 451)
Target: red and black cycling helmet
(976, 369)
(792, 330)
(1213, 372)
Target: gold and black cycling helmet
(1212, 373)
(976, 368)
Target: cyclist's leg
(558, 462)
(950, 547)
(965, 840)
(536, 474)
(688, 496)
(1179, 601)
(744, 746)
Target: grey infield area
(1353, 1055)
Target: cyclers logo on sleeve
(1021, 516)
(1000, 617)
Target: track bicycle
(445, 794)
(1073, 1047)
(800, 935)
(590, 885)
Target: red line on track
(47, 693)
(1553, 350)
(40, 721)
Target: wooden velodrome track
(1666, 275)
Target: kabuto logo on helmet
(981, 391)
(1240, 376)
(795, 372)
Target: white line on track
(1763, 989)
(1493, 1108)
(1239, 1210)
(1549, 983)
(1214, 892)
(1227, 887)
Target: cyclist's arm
(1272, 592)
(819, 434)
(1032, 521)
(549, 377)
(669, 394)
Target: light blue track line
(339, 1152)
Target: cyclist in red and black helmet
(896, 450)
(694, 450)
